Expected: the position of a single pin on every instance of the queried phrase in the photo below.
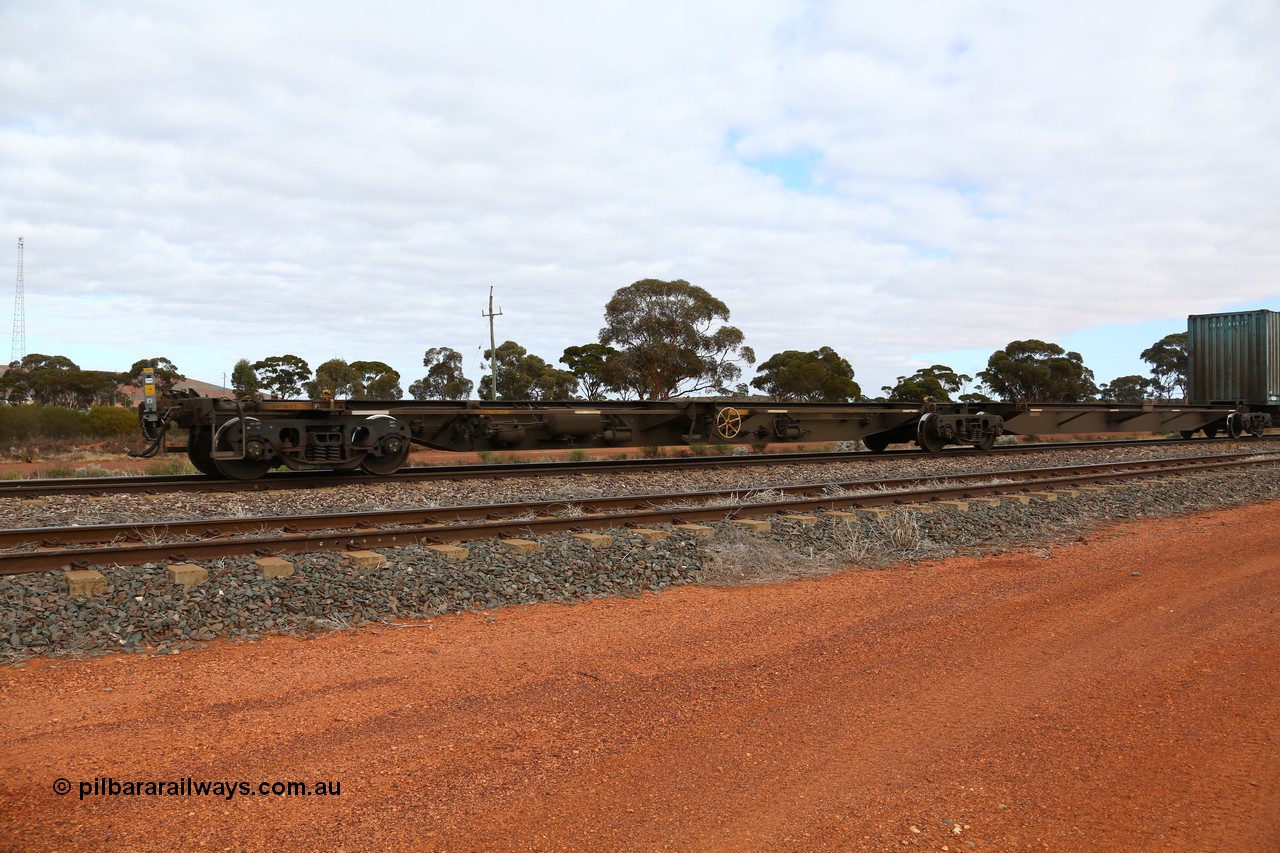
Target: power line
(18, 338)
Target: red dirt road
(1035, 701)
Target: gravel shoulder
(144, 612)
(59, 510)
(1117, 692)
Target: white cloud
(211, 182)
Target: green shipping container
(1234, 358)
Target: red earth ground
(1119, 693)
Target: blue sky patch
(23, 125)
(794, 168)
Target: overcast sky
(903, 182)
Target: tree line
(660, 339)
(55, 380)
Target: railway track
(285, 480)
(133, 544)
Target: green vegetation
(359, 380)
(524, 376)
(669, 341)
(282, 375)
(820, 376)
(592, 364)
(34, 421)
(444, 379)
(1126, 389)
(928, 383)
(55, 472)
(166, 374)
(244, 382)
(106, 421)
(170, 468)
(1040, 372)
(1168, 360)
(55, 380)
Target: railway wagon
(243, 439)
(1234, 359)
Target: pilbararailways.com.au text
(226, 789)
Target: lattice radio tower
(18, 345)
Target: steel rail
(630, 510)
(53, 537)
(100, 486)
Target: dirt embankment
(1120, 693)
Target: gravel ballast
(144, 612)
(65, 510)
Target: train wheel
(387, 463)
(396, 452)
(1187, 433)
(1233, 425)
(927, 437)
(236, 469)
(198, 452)
(1210, 432)
(876, 443)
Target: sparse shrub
(111, 420)
(578, 455)
(55, 472)
(57, 422)
(653, 452)
(901, 531)
(698, 450)
(170, 468)
(486, 456)
(19, 422)
(848, 543)
(721, 449)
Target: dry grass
(737, 557)
(571, 511)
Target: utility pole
(18, 340)
(493, 347)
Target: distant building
(204, 389)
